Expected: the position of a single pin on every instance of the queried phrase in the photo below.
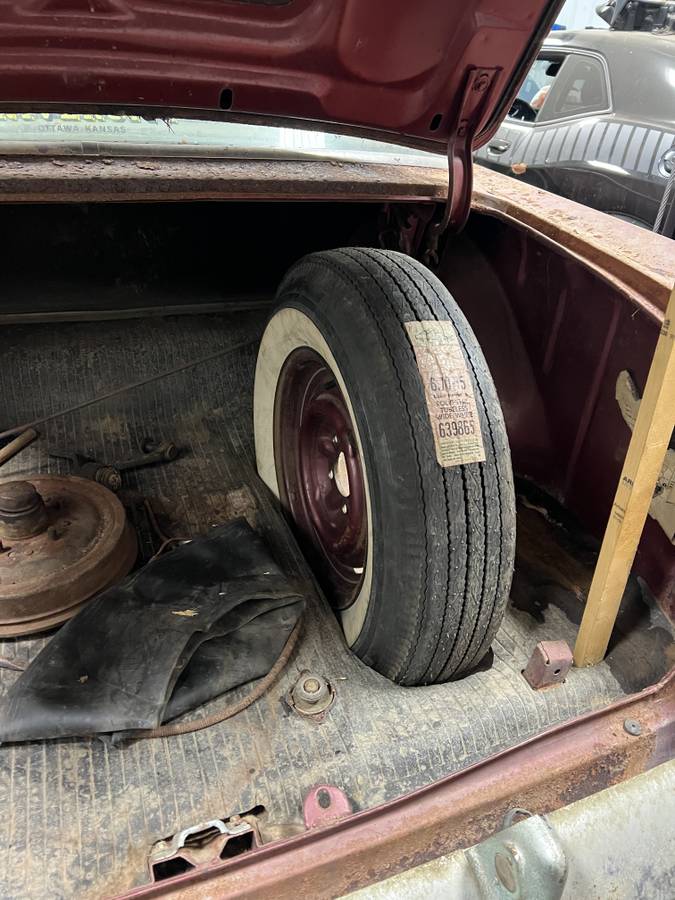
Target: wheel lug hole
(341, 475)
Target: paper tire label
(449, 393)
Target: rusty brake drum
(62, 540)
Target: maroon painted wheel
(320, 474)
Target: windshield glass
(126, 135)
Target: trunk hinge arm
(477, 91)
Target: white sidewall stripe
(286, 331)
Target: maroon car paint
(391, 67)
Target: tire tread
(467, 512)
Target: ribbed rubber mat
(78, 818)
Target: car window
(580, 87)
(535, 88)
(90, 134)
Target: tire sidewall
(293, 327)
(362, 375)
(441, 538)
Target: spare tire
(377, 425)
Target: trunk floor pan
(79, 817)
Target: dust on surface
(82, 815)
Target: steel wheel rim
(320, 473)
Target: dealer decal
(449, 393)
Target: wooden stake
(646, 452)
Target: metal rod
(127, 387)
(667, 203)
(17, 445)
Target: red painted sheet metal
(392, 67)
(564, 764)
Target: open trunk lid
(393, 69)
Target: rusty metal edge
(637, 262)
(614, 279)
(121, 179)
(563, 764)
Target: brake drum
(63, 539)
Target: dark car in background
(595, 121)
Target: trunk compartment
(177, 282)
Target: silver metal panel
(633, 148)
(617, 843)
(646, 159)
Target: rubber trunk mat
(78, 817)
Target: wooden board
(646, 451)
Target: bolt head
(481, 83)
(310, 690)
(505, 868)
(110, 478)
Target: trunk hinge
(479, 86)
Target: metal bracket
(403, 227)
(525, 861)
(324, 805)
(662, 507)
(549, 664)
(479, 86)
(200, 845)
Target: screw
(481, 83)
(311, 685)
(632, 726)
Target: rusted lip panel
(120, 179)
(635, 261)
(549, 770)
(638, 261)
